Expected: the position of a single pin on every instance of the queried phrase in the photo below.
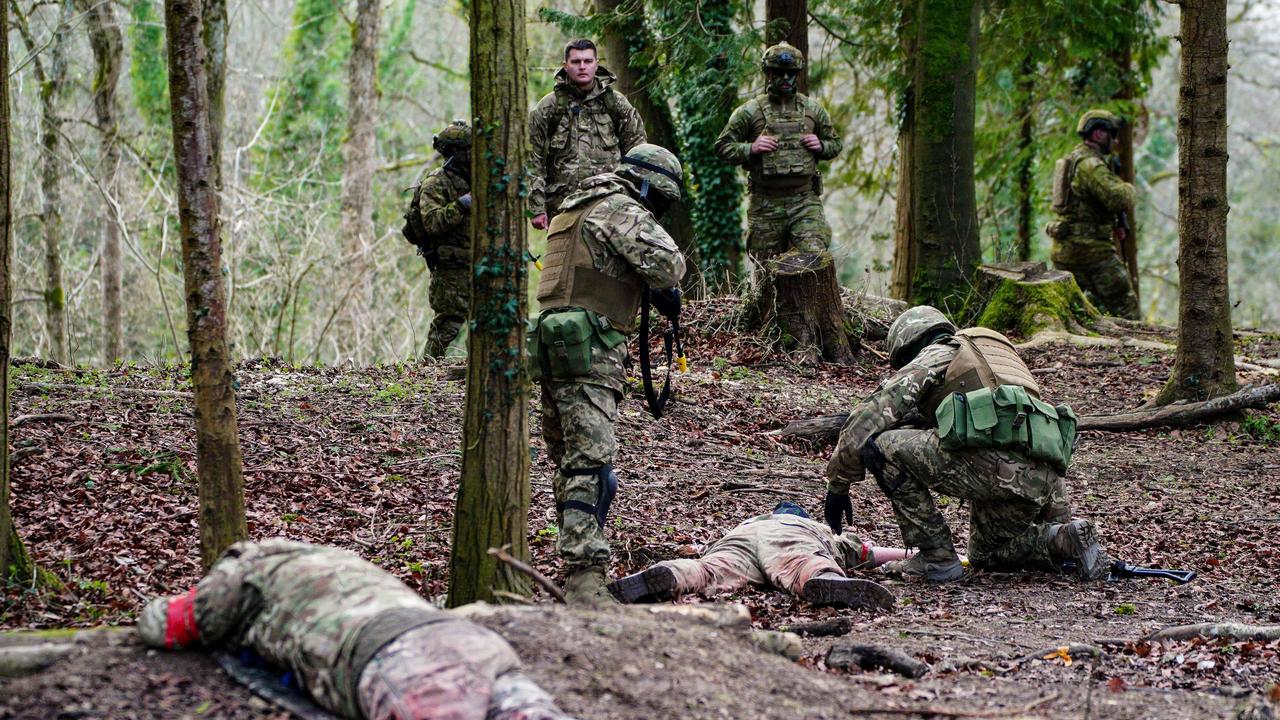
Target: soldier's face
(783, 82)
(581, 66)
(1105, 139)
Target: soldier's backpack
(1064, 171)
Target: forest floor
(367, 459)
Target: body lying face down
(358, 640)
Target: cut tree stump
(1024, 298)
(808, 308)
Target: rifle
(657, 402)
(876, 556)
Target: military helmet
(912, 329)
(456, 135)
(782, 57)
(1092, 119)
(655, 167)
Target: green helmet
(914, 328)
(456, 135)
(782, 57)
(655, 167)
(1092, 119)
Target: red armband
(180, 629)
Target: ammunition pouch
(560, 344)
(1008, 418)
(606, 489)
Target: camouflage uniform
(447, 221)
(358, 640)
(575, 135)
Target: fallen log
(820, 628)
(872, 657)
(1179, 414)
(1064, 652)
(1226, 631)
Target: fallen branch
(1226, 631)
(946, 712)
(734, 487)
(43, 417)
(820, 628)
(527, 569)
(1066, 652)
(872, 657)
(45, 387)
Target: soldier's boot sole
(653, 585)
(848, 592)
(934, 572)
(1078, 541)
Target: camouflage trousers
(1012, 499)
(450, 669)
(578, 427)
(450, 299)
(763, 553)
(1107, 284)
(775, 225)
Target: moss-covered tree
(493, 494)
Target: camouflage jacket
(302, 607)
(620, 232)
(808, 537)
(444, 218)
(1083, 231)
(574, 135)
(748, 123)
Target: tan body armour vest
(985, 359)
(569, 279)
(791, 165)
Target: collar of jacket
(604, 79)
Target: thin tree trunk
(108, 48)
(1026, 157)
(214, 21)
(1129, 245)
(788, 21)
(218, 462)
(904, 237)
(1204, 366)
(493, 494)
(357, 176)
(8, 535)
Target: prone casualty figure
(360, 642)
(784, 549)
(984, 435)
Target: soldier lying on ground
(357, 639)
(784, 549)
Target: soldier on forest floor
(963, 417)
(581, 128)
(438, 224)
(784, 549)
(780, 136)
(1091, 206)
(359, 641)
(603, 250)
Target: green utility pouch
(562, 343)
(1008, 418)
(534, 356)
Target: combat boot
(656, 584)
(1077, 543)
(588, 587)
(840, 591)
(936, 565)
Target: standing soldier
(580, 129)
(1090, 206)
(438, 223)
(602, 251)
(779, 137)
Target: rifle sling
(657, 402)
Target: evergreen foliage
(147, 72)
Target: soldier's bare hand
(813, 142)
(764, 144)
(539, 221)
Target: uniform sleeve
(538, 140)
(440, 214)
(734, 144)
(1098, 181)
(634, 234)
(826, 132)
(223, 601)
(630, 125)
(886, 407)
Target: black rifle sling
(656, 401)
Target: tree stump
(1025, 298)
(808, 308)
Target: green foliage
(1126, 609)
(1261, 429)
(148, 71)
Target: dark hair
(579, 44)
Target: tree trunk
(1204, 366)
(214, 19)
(943, 210)
(357, 176)
(108, 47)
(1025, 298)
(788, 21)
(1124, 65)
(1026, 157)
(810, 312)
(493, 494)
(904, 237)
(218, 462)
(8, 535)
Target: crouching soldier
(784, 549)
(985, 437)
(358, 640)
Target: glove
(835, 508)
(666, 301)
(465, 201)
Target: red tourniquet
(180, 630)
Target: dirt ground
(367, 459)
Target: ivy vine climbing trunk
(108, 48)
(1204, 365)
(218, 462)
(356, 227)
(493, 494)
(944, 217)
(788, 21)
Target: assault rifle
(875, 556)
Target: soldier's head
(656, 174)
(580, 62)
(1100, 128)
(782, 64)
(786, 507)
(915, 330)
(454, 143)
